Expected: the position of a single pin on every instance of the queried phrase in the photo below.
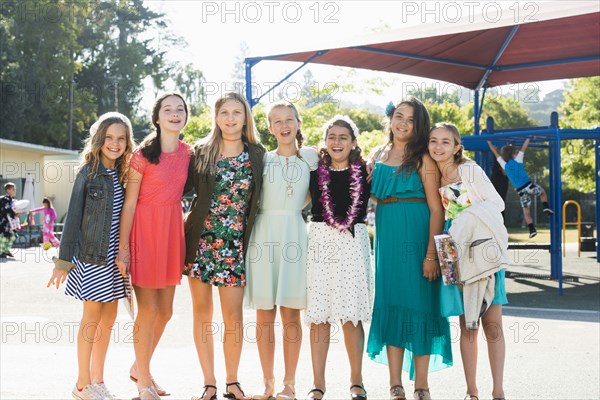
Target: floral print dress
(220, 259)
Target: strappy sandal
(422, 394)
(206, 387)
(269, 390)
(315, 390)
(397, 393)
(160, 391)
(151, 391)
(472, 397)
(358, 396)
(229, 395)
(282, 396)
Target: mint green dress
(406, 312)
(455, 199)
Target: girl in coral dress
(152, 243)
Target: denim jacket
(86, 233)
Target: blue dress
(406, 312)
(455, 199)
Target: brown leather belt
(389, 200)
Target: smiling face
(172, 114)
(284, 125)
(442, 145)
(402, 123)
(115, 143)
(339, 143)
(231, 118)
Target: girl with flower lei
(339, 263)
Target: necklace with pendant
(284, 174)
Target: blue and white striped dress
(101, 283)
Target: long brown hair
(209, 148)
(416, 146)
(150, 146)
(93, 145)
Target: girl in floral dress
(226, 174)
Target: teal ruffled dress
(455, 199)
(406, 311)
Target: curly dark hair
(355, 154)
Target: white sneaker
(103, 391)
(87, 393)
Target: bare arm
(430, 176)
(132, 192)
(525, 144)
(494, 149)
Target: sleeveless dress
(406, 312)
(157, 237)
(220, 259)
(455, 199)
(101, 283)
(276, 256)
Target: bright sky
(214, 31)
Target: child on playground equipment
(515, 170)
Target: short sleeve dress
(276, 257)
(157, 238)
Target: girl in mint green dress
(408, 331)
(464, 183)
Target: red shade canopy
(558, 48)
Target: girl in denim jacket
(87, 253)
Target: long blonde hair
(93, 145)
(209, 148)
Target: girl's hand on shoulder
(58, 276)
(123, 258)
(431, 269)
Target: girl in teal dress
(465, 183)
(408, 330)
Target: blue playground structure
(550, 136)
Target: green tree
(190, 82)
(581, 110)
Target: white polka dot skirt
(339, 275)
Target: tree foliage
(105, 46)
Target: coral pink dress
(157, 238)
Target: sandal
(472, 397)
(269, 390)
(422, 394)
(282, 396)
(229, 395)
(358, 396)
(151, 391)
(160, 391)
(397, 393)
(206, 387)
(315, 390)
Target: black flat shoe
(231, 396)
(358, 396)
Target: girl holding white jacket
(465, 184)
